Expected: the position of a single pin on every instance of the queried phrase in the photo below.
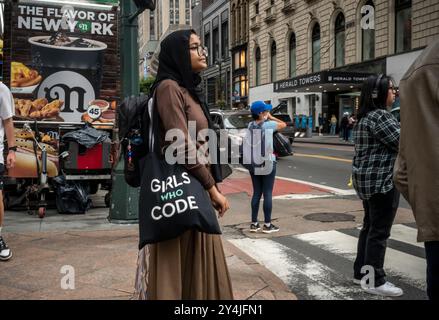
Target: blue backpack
(253, 147)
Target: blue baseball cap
(260, 106)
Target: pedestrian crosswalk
(319, 265)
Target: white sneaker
(387, 290)
(5, 252)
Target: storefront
(323, 94)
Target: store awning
(325, 81)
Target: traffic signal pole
(124, 199)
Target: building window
(316, 48)
(273, 61)
(171, 12)
(207, 41)
(244, 22)
(292, 54)
(239, 60)
(340, 39)
(258, 66)
(240, 86)
(177, 11)
(257, 7)
(152, 25)
(215, 40)
(224, 34)
(211, 91)
(272, 2)
(188, 12)
(368, 39)
(403, 29)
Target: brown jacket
(416, 173)
(176, 107)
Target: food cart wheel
(41, 212)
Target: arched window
(403, 25)
(292, 54)
(340, 40)
(258, 66)
(368, 38)
(273, 61)
(316, 48)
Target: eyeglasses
(200, 50)
(395, 90)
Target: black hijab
(175, 64)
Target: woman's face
(263, 115)
(198, 56)
(390, 95)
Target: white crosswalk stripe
(410, 267)
(319, 265)
(406, 234)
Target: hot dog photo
(26, 163)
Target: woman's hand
(219, 202)
(280, 124)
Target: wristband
(14, 148)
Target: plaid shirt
(376, 138)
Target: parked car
(236, 122)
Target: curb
(275, 288)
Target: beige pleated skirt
(190, 267)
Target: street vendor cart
(44, 154)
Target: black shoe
(272, 228)
(5, 252)
(255, 227)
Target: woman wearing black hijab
(192, 266)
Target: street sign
(94, 112)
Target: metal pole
(124, 199)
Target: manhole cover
(329, 217)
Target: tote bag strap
(154, 128)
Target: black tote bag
(171, 201)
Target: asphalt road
(328, 165)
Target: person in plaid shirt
(376, 137)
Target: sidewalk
(104, 265)
(104, 255)
(104, 258)
(325, 139)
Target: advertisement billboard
(64, 58)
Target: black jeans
(379, 214)
(432, 256)
(263, 185)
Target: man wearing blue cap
(263, 183)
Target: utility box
(124, 200)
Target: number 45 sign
(94, 112)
